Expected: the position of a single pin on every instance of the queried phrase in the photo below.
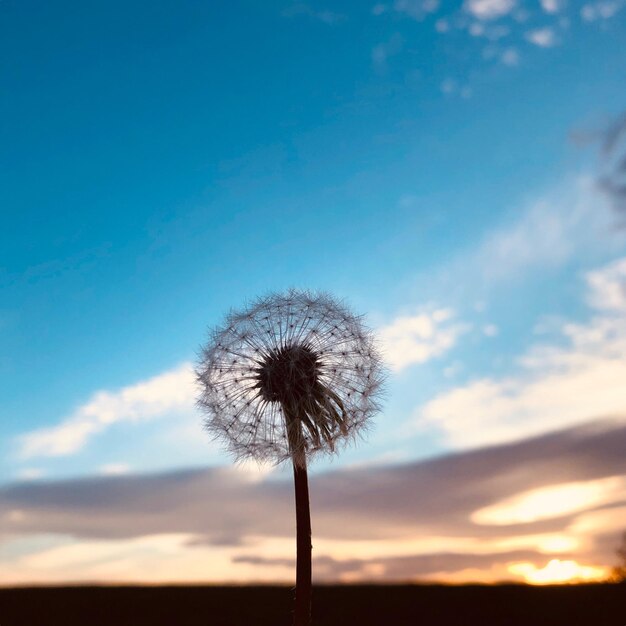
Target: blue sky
(432, 163)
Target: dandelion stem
(302, 613)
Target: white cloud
(558, 386)
(571, 222)
(379, 9)
(171, 391)
(539, 237)
(510, 57)
(453, 370)
(552, 6)
(383, 51)
(490, 330)
(493, 32)
(608, 286)
(419, 338)
(417, 9)
(114, 469)
(451, 87)
(604, 10)
(30, 473)
(448, 86)
(489, 9)
(542, 37)
(302, 8)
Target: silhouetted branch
(612, 180)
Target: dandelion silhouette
(292, 376)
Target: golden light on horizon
(557, 571)
(552, 501)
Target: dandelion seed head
(292, 375)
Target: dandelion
(290, 377)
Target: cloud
(417, 9)
(553, 6)
(608, 287)
(489, 9)
(379, 9)
(558, 571)
(572, 221)
(493, 32)
(410, 340)
(542, 37)
(548, 233)
(553, 501)
(114, 469)
(450, 87)
(490, 330)
(604, 10)
(301, 8)
(510, 56)
(539, 237)
(30, 473)
(496, 20)
(558, 385)
(157, 396)
(397, 521)
(385, 50)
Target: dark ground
(417, 605)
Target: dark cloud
(327, 568)
(224, 507)
(216, 503)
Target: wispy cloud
(323, 15)
(549, 232)
(603, 10)
(379, 8)
(115, 469)
(162, 394)
(452, 87)
(553, 6)
(417, 9)
(510, 56)
(415, 339)
(559, 384)
(504, 23)
(542, 37)
(547, 236)
(608, 287)
(30, 473)
(489, 9)
(383, 51)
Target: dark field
(506, 605)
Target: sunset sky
(434, 163)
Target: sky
(434, 164)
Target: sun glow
(557, 571)
(552, 501)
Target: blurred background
(451, 169)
